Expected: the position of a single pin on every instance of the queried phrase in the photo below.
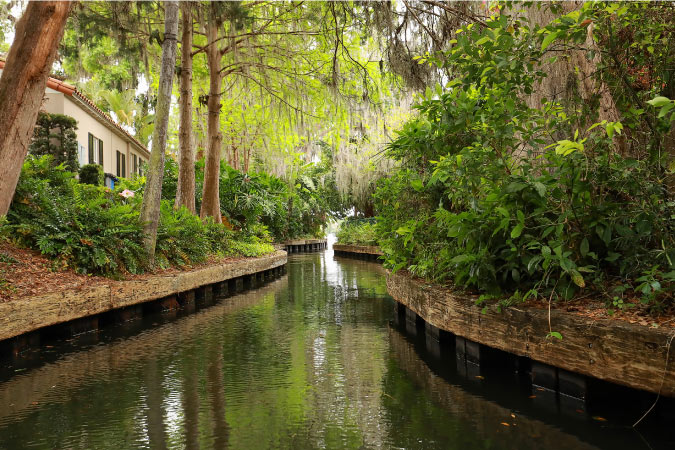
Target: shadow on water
(503, 406)
(311, 360)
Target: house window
(134, 163)
(121, 164)
(81, 155)
(95, 150)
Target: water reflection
(492, 421)
(307, 361)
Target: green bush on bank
(509, 200)
(91, 174)
(95, 230)
(357, 232)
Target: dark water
(311, 360)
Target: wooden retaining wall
(27, 314)
(610, 350)
(347, 249)
(305, 245)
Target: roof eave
(108, 122)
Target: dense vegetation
(545, 200)
(95, 230)
(357, 232)
(287, 209)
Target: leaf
(555, 334)
(515, 186)
(665, 109)
(417, 184)
(623, 230)
(540, 188)
(546, 251)
(517, 231)
(548, 39)
(583, 249)
(460, 259)
(577, 278)
(503, 211)
(659, 101)
(533, 262)
(612, 257)
(607, 235)
(403, 230)
(515, 275)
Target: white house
(100, 139)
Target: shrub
(248, 249)
(78, 225)
(357, 232)
(91, 174)
(54, 134)
(93, 230)
(484, 196)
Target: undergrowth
(357, 232)
(97, 231)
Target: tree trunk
(247, 158)
(572, 73)
(152, 196)
(235, 155)
(185, 192)
(211, 192)
(22, 86)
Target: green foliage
(54, 134)
(485, 195)
(91, 174)
(249, 249)
(78, 225)
(95, 230)
(254, 199)
(357, 232)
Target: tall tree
(185, 191)
(152, 197)
(214, 53)
(22, 86)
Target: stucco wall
(53, 102)
(87, 124)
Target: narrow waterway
(314, 359)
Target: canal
(314, 359)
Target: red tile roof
(71, 91)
